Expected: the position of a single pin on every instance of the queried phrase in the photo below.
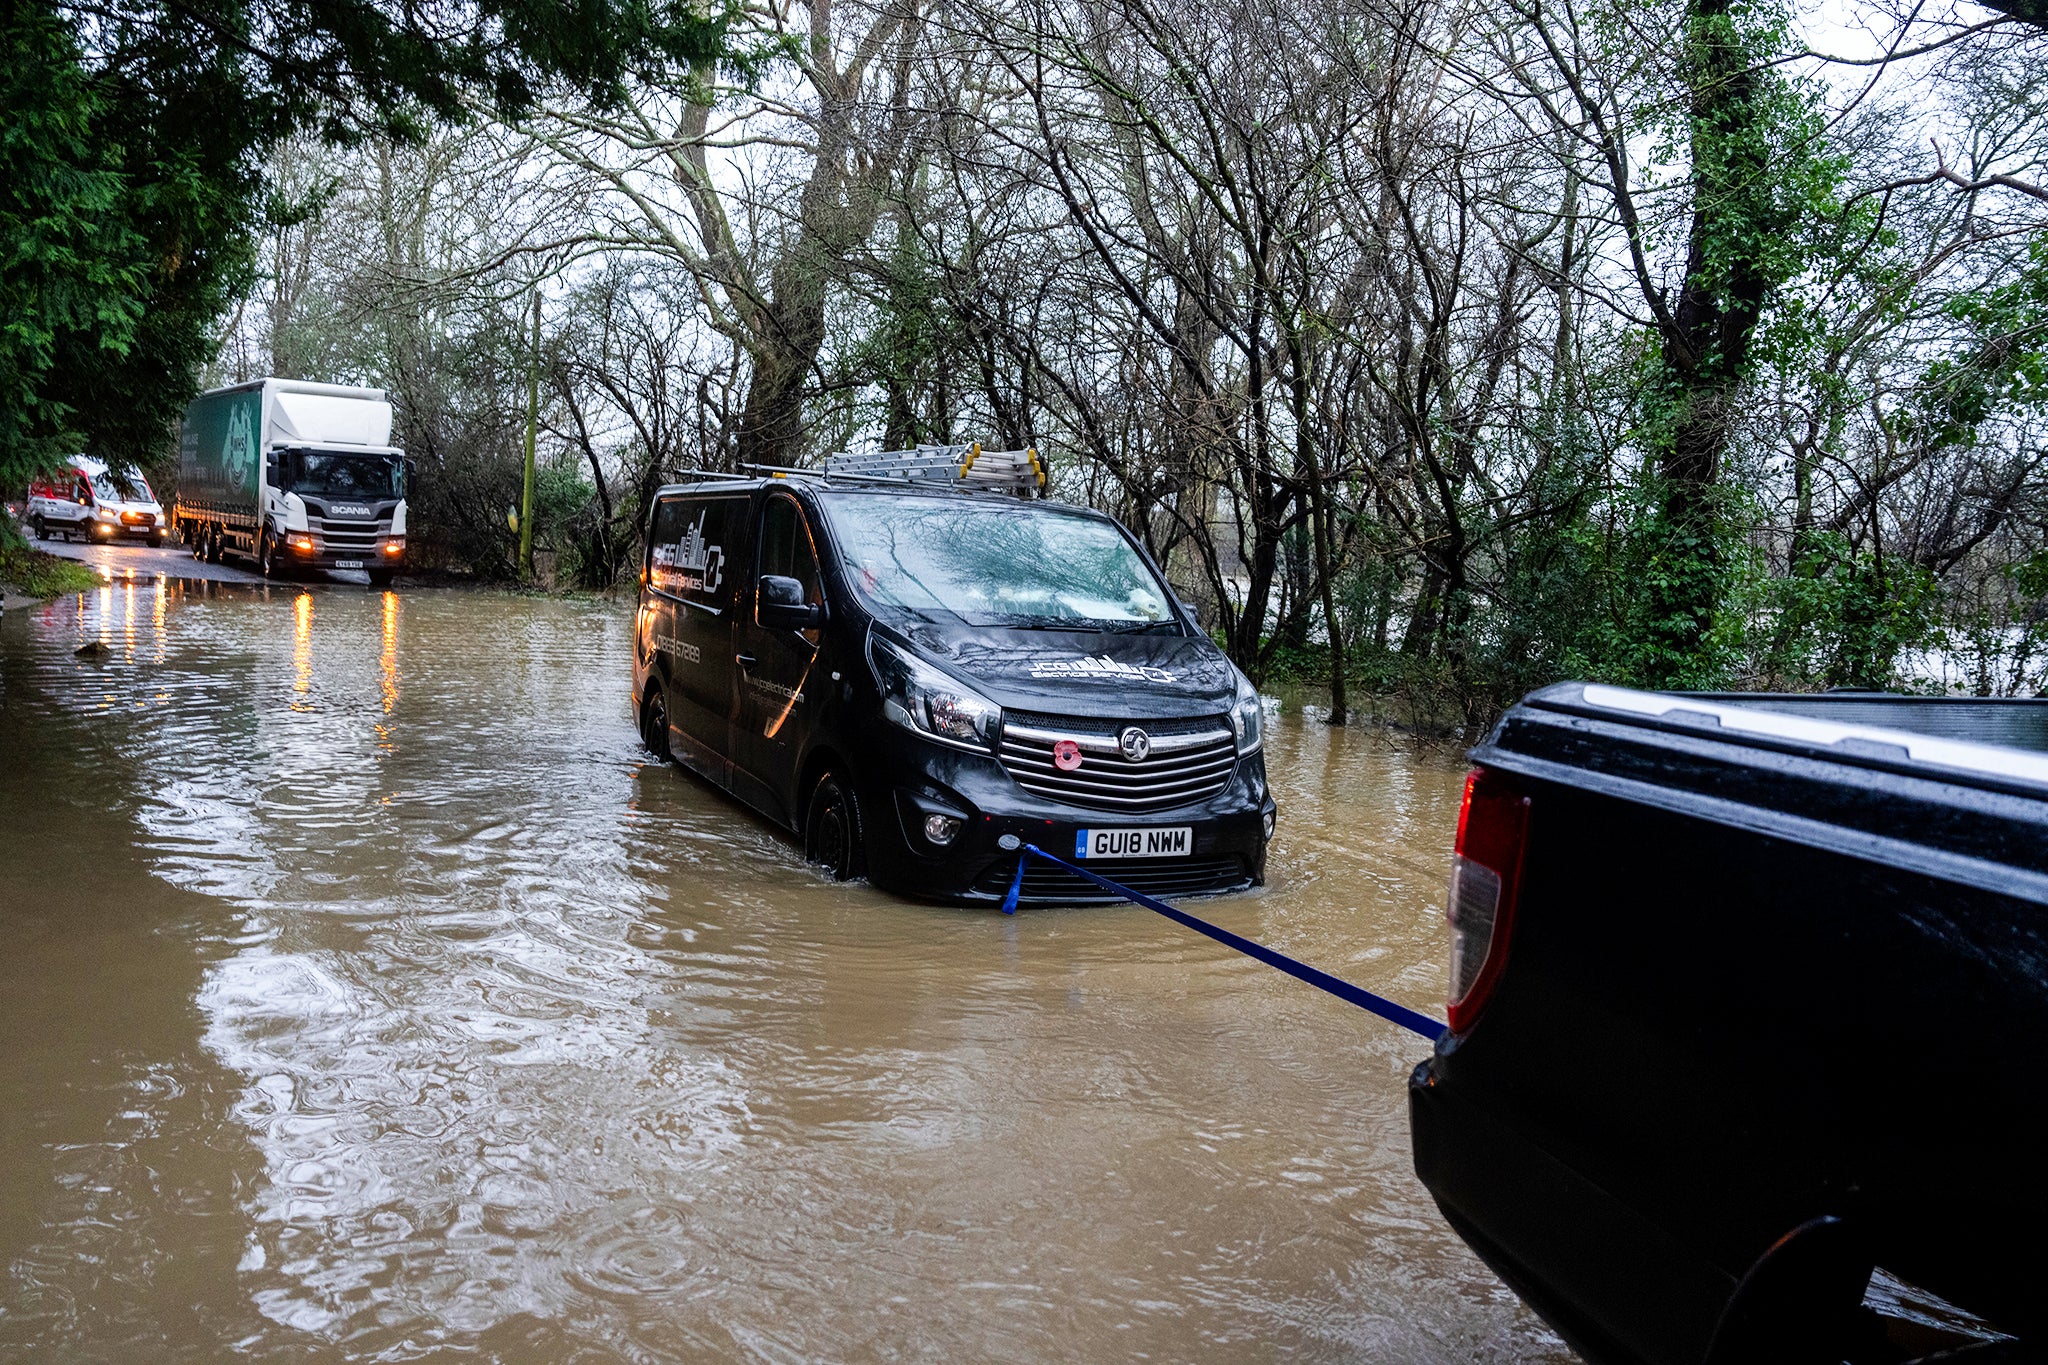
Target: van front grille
(1190, 760)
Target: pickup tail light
(1486, 875)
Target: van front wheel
(832, 831)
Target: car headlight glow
(918, 697)
(1246, 716)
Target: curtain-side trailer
(293, 475)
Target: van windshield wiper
(1083, 626)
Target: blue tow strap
(1300, 971)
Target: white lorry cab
(85, 500)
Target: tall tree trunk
(1706, 345)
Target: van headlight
(918, 697)
(1246, 716)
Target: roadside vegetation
(1435, 353)
(37, 574)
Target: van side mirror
(779, 605)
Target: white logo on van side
(1104, 669)
(692, 565)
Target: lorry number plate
(348, 563)
(1160, 841)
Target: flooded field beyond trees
(369, 995)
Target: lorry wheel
(266, 555)
(213, 545)
(35, 523)
(380, 578)
(832, 833)
(654, 721)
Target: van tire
(156, 542)
(832, 835)
(654, 721)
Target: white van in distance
(87, 501)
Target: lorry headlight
(918, 697)
(1246, 717)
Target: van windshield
(112, 487)
(993, 564)
(309, 472)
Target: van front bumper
(1228, 833)
(100, 528)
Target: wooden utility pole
(532, 427)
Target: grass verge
(45, 575)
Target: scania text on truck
(918, 679)
(293, 475)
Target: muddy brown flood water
(369, 995)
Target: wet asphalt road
(133, 558)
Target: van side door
(779, 696)
(692, 633)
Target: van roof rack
(966, 467)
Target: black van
(917, 679)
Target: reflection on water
(302, 647)
(388, 660)
(377, 999)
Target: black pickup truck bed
(1774, 974)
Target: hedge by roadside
(45, 575)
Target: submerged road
(370, 995)
(121, 560)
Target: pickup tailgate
(1764, 967)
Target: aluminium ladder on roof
(960, 466)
